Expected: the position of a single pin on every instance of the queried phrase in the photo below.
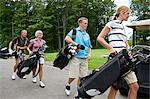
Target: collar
(78, 28)
(36, 39)
(118, 21)
(23, 38)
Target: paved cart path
(54, 79)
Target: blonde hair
(121, 9)
(22, 31)
(38, 32)
(81, 19)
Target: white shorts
(41, 60)
(78, 67)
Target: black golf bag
(26, 66)
(65, 54)
(99, 80)
(4, 53)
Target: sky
(122, 2)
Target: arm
(127, 45)
(9, 48)
(89, 54)
(69, 40)
(102, 41)
(10, 44)
(28, 48)
(25, 47)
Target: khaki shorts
(78, 67)
(131, 78)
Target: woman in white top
(117, 41)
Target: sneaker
(24, 77)
(42, 84)
(34, 80)
(13, 77)
(67, 90)
(77, 97)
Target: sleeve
(14, 41)
(70, 33)
(44, 41)
(27, 42)
(109, 24)
(128, 32)
(30, 42)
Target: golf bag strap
(73, 38)
(74, 34)
(38, 69)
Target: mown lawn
(97, 58)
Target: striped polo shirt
(117, 36)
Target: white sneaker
(24, 77)
(67, 90)
(13, 77)
(34, 80)
(42, 84)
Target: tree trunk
(64, 28)
(59, 36)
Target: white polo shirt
(117, 36)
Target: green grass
(96, 60)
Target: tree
(141, 9)
(6, 24)
(54, 17)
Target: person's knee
(17, 60)
(134, 86)
(24, 57)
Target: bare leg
(23, 56)
(112, 93)
(18, 60)
(41, 76)
(34, 71)
(16, 64)
(78, 82)
(133, 88)
(70, 80)
(13, 77)
(41, 72)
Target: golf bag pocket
(4, 53)
(61, 61)
(65, 54)
(26, 66)
(100, 80)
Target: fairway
(97, 58)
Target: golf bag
(4, 53)
(26, 66)
(100, 80)
(65, 54)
